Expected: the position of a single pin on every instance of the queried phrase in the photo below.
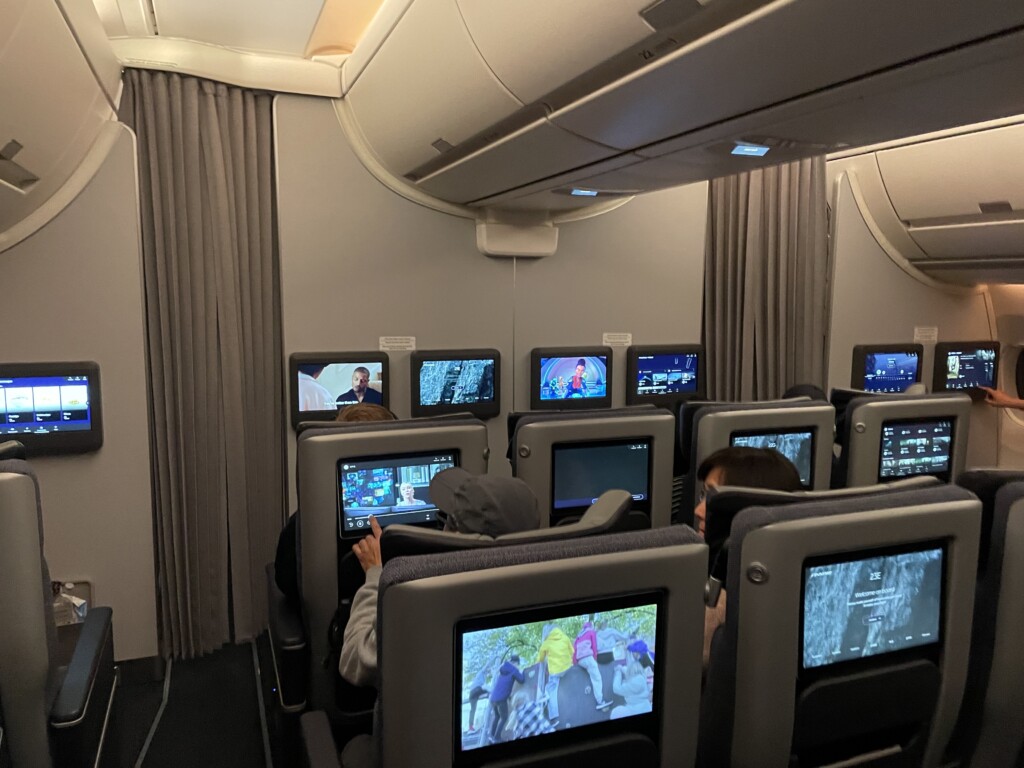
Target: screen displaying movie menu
(920, 447)
(890, 372)
(394, 489)
(44, 404)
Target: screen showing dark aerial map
(864, 607)
(452, 382)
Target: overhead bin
(477, 104)
(53, 107)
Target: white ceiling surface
(291, 27)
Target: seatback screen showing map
(965, 365)
(797, 445)
(919, 447)
(394, 489)
(457, 380)
(857, 608)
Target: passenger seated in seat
(748, 468)
(286, 571)
(481, 504)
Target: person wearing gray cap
(470, 504)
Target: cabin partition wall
(213, 315)
(767, 281)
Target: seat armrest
(286, 629)
(318, 750)
(94, 648)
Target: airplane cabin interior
(462, 384)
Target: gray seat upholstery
(990, 731)
(432, 592)
(901, 710)
(604, 516)
(52, 714)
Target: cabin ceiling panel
(262, 25)
(125, 17)
(14, 12)
(534, 46)
(340, 26)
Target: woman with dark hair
(747, 468)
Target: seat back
(437, 594)
(899, 707)
(327, 574)
(990, 730)
(890, 436)
(718, 426)
(27, 633)
(606, 515)
(609, 449)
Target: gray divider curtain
(205, 156)
(767, 280)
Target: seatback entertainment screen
(457, 380)
(919, 447)
(51, 407)
(570, 378)
(523, 676)
(323, 382)
(663, 374)
(965, 365)
(797, 445)
(581, 472)
(394, 489)
(885, 368)
(856, 608)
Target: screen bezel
(648, 723)
(340, 508)
(861, 351)
(580, 404)
(942, 350)
(943, 476)
(637, 506)
(329, 358)
(486, 410)
(813, 431)
(633, 355)
(847, 666)
(53, 443)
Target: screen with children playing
(394, 489)
(541, 672)
(855, 608)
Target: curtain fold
(767, 281)
(205, 153)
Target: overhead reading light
(577, 192)
(745, 149)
